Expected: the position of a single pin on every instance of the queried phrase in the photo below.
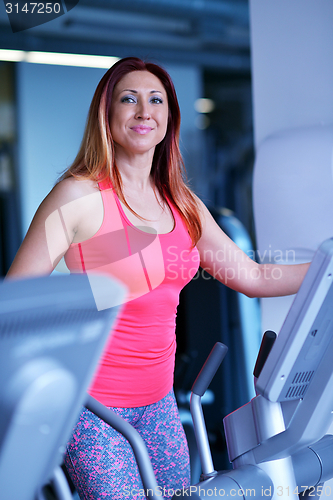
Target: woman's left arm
(221, 258)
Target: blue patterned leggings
(101, 462)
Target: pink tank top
(137, 366)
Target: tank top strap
(106, 184)
(112, 220)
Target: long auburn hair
(96, 157)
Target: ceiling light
(12, 55)
(57, 58)
(204, 105)
(202, 122)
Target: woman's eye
(128, 98)
(156, 100)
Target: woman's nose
(142, 111)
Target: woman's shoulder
(72, 188)
(80, 206)
(69, 193)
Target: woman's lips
(141, 129)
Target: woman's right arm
(49, 235)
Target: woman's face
(139, 112)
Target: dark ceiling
(211, 33)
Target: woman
(123, 208)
